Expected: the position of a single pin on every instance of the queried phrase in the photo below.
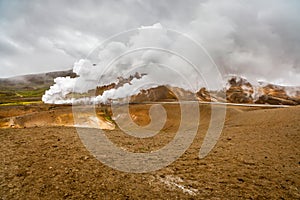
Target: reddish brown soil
(257, 157)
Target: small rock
(241, 180)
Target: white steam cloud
(254, 39)
(163, 58)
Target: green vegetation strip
(21, 103)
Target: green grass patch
(32, 93)
(21, 103)
(21, 96)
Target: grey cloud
(255, 38)
(73, 27)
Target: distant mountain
(28, 88)
(33, 81)
(239, 90)
(276, 94)
(163, 93)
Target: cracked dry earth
(256, 157)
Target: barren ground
(257, 157)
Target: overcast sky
(259, 38)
